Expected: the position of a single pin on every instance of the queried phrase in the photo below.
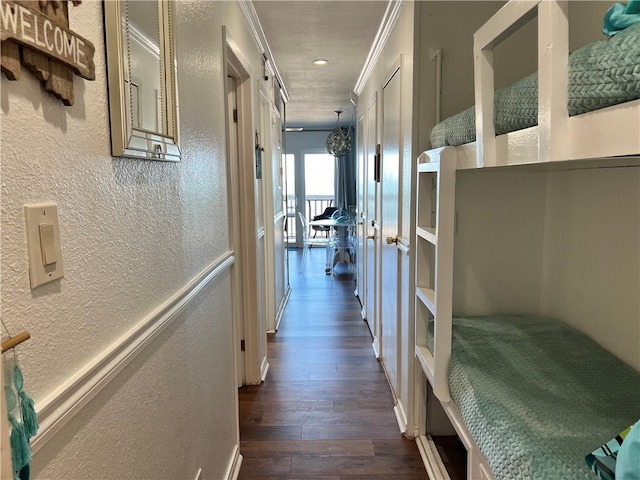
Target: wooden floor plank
(323, 465)
(340, 448)
(325, 410)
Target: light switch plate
(35, 216)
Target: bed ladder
(435, 217)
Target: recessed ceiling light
(320, 62)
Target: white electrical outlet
(199, 474)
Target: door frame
(242, 222)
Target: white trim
(59, 407)
(376, 347)
(619, 124)
(135, 33)
(431, 459)
(261, 41)
(403, 245)
(401, 417)
(238, 66)
(287, 293)
(475, 459)
(234, 466)
(389, 19)
(264, 368)
(283, 304)
(279, 216)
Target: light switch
(43, 243)
(47, 244)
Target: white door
(390, 257)
(360, 216)
(265, 185)
(371, 222)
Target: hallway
(325, 411)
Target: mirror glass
(142, 79)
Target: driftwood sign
(36, 34)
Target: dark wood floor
(325, 411)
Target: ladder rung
(428, 233)
(428, 297)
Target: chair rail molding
(59, 407)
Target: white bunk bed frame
(610, 135)
(557, 137)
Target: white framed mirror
(141, 69)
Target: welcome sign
(37, 35)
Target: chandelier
(339, 140)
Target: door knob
(391, 240)
(371, 237)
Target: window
(319, 172)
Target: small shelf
(428, 233)
(428, 297)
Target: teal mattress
(601, 74)
(538, 396)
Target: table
(341, 247)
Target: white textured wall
(498, 242)
(562, 244)
(133, 233)
(592, 258)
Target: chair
(326, 214)
(308, 242)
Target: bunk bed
(536, 395)
(528, 397)
(599, 77)
(592, 93)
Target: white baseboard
(431, 459)
(283, 304)
(55, 410)
(264, 368)
(234, 466)
(401, 417)
(376, 348)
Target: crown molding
(389, 19)
(258, 34)
(136, 33)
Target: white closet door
(372, 236)
(391, 255)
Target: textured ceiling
(301, 31)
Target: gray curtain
(345, 181)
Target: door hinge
(242, 345)
(235, 115)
